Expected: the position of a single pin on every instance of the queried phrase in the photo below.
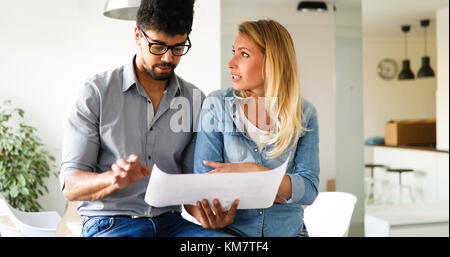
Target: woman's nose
(231, 64)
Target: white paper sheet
(253, 189)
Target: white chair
(31, 224)
(75, 228)
(330, 214)
(8, 231)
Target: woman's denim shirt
(221, 138)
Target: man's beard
(163, 76)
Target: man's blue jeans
(170, 224)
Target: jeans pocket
(97, 226)
(303, 231)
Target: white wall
(383, 38)
(202, 65)
(349, 108)
(394, 99)
(442, 104)
(48, 47)
(313, 35)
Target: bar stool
(400, 185)
(370, 198)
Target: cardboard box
(410, 132)
(331, 185)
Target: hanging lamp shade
(425, 70)
(121, 9)
(317, 6)
(406, 72)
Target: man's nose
(168, 56)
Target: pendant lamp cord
(425, 36)
(406, 51)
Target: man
(121, 125)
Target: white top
(258, 136)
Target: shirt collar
(129, 79)
(173, 87)
(232, 104)
(129, 75)
(232, 96)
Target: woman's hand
(284, 190)
(234, 167)
(216, 217)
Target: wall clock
(387, 69)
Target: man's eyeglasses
(160, 49)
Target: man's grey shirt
(113, 118)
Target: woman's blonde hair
(281, 81)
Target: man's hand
(234, 167)
(129, 171)
(218, 218)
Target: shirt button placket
(150, 143)
(258, 157)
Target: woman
(256, 126)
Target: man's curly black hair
(173, 17)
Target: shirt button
(149, 157)
(151, 129)
(256, 149)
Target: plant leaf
(21, 180)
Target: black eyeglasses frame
(150, 44)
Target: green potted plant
(24, 163)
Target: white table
(409, 220)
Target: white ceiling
(384, 18)
(260, 1)
(380, 18)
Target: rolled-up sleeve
(81, 134)
(305, 178)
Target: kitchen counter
(418, 219)
(421, 148)
(429, 179)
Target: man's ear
(137, 35)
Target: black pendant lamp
(406, 72)
(425, 70)
(317, 6)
